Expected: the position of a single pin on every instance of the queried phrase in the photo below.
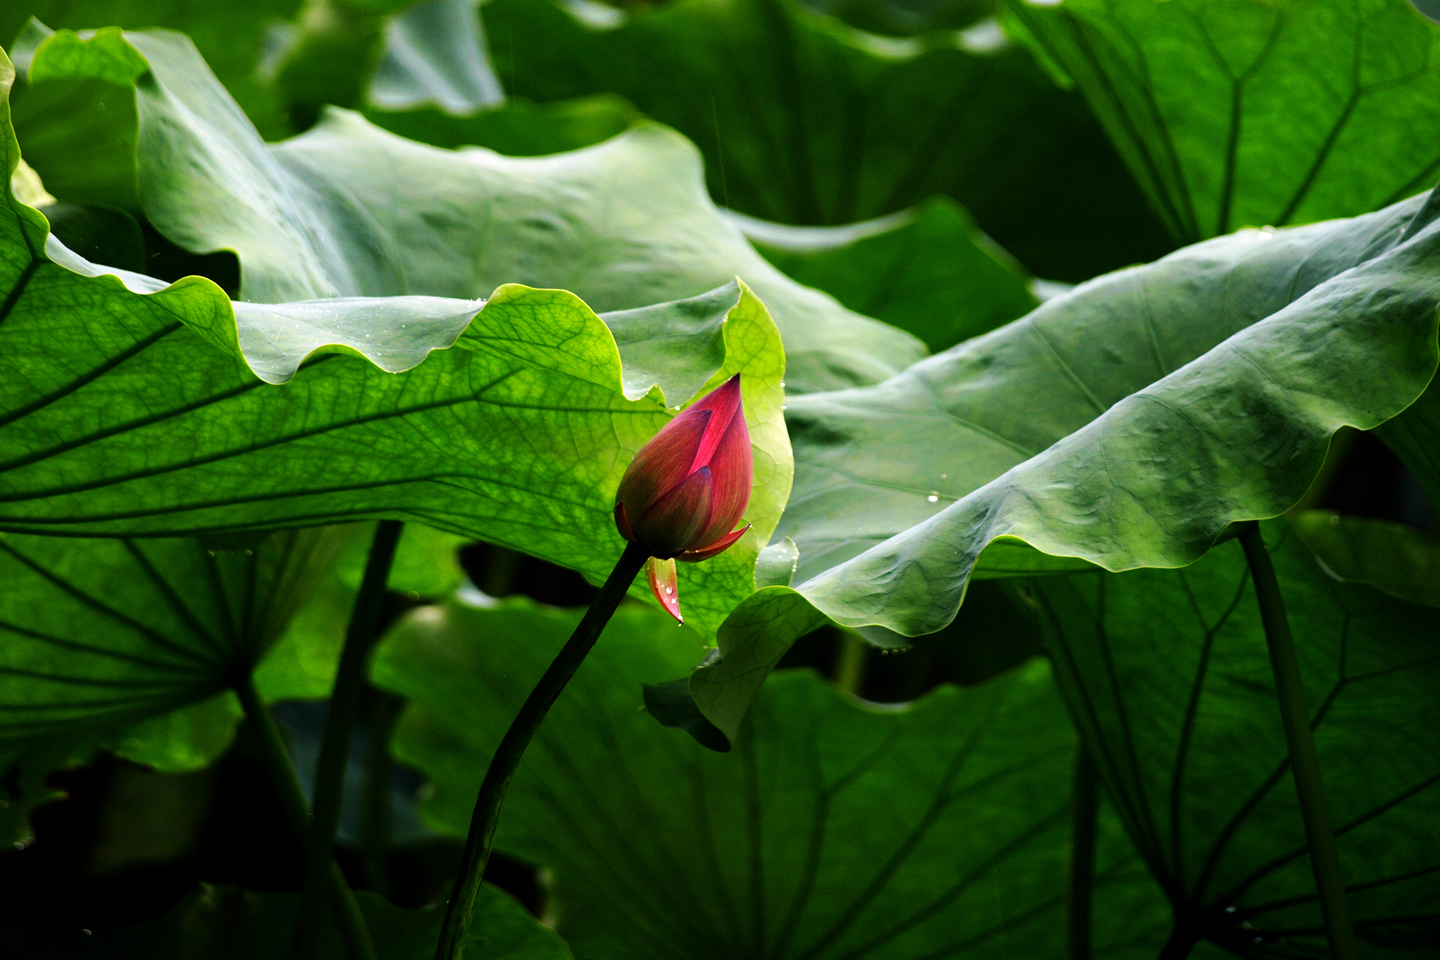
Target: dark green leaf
(1255, 111)
(101, 634)
(1168, 678)
(517, 128)
(222, 922)
(1397, 559)
(231, 36)
(99, 234)
(803, 120)
(833, 829)
(929, 270)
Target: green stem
(456, 928)
(850, 659)
(1304, 764)
(339, 729)
(375, 812)
(1084, 827)
(292, 799)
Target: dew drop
(782, 406)
(944, 476)
(782, 384)
(934, 496)
(1335, 520)
(669, 589)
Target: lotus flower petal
(665, 585)
(723, 403)
(731, 468)
(690, 485)
(675, 520)
(663, 463)
(719, 546)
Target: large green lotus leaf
(349, 210)
(231, 36)
(102, 634)
(804, 120)
(1168, 678)
(834, 828)
(929, 270)
(1250, 112)
(245, 925)
(1124, 424)
(128, 420)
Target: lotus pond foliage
(1038, 394)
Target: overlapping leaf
(834, 829)
(827, 125)
(1167, 675)
(127, 418)
(1250, 112)
(1124, 424)
(349, 210)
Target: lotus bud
(686, 489)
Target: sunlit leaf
(1125, 424)
(349, 210)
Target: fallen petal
(665, 585)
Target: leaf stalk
(339, 729)
(297, 812)
(455, 930)
(1304, 764)
(1084, 829)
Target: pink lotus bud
(686, 489)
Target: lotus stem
(297, 812)
(1304, 764)
(375, 804)
(340, 719)
(1084, 829)
(455, 930)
